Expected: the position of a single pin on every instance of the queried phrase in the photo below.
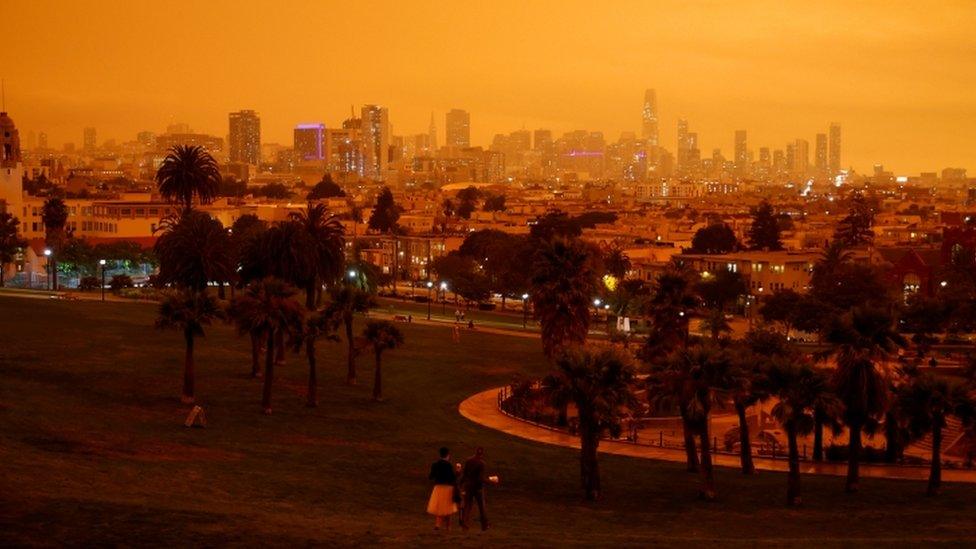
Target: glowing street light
(443, 298)
(430, 286)
(101, 265)
(525, 309)
(47, 265)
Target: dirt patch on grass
(100, 445)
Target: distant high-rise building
(741, 153)
(432, 136)
(179, 127)
(376, 141)
(147, 139)
(90, 143)
(649, 118)
(801, 157)
(458, 130)
(820, 155)
(309, 141)
(833, 158)
(542, 140)
(42, 140)
(245, 137)
(682, 135)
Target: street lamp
(430, 285)
(443, 298)
(525, 309)
(101, 265)
(47, 266)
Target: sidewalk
(482, 409)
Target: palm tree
(54, 214)
(616, 262)
(10, 242)
(346, 301)
(564, 283)
(244, 319)
(862, 340)
(318, 325)
(193, 251)
(270, 308)
(749, 387)
(704, 377)
(799, 387)
(381, 335)
(925, 402)
(599, 383)
(326, 245)
(188, 312)
(188, 171)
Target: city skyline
(782, 77)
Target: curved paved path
(482, 409)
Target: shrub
(88, 283)
(120, 281)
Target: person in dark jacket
(442, 502)
(473, 479)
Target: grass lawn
(93, 451)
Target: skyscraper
(245, 137)
(376, 141)
(90, 142)
(309, 141)
(801, 157)
(458, 129)
(820, 155)
(649, 116)
(741, 153)
(833, 161)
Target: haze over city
(897, 77)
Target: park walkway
(482, 409)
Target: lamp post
(101, 266)
(443, 298)
(430, 285)
(525, 309)
(47, 267)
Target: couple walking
(450, 491)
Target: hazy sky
(899, 77)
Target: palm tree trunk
(935, 472)
(313, 398)
(188, 373)
(745, 445)
(310, 296)
(691, 451)
(793, 479)
(589, 466)
(892, 442)
(2, 273)
(279, 347)
(350, 354)
(817, 436)
(220, 290)
(54, 273)
(708, 475)
(255, 354)
(269, 363)
(853, 456)
(378, 378)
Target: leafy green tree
(855, 229)
(599, 383)
(564, 283)
(494, 203)
(764, 233)
(326, 188)
(188, 172)
(467, 201)
(189, 312)
(10, 242)
(782, 306)
(274, 191)
(385, 214)
(381, 335)
(925, 403)
(716, 238)
(554, 224)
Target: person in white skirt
(444, 496)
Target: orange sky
(899, 78)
